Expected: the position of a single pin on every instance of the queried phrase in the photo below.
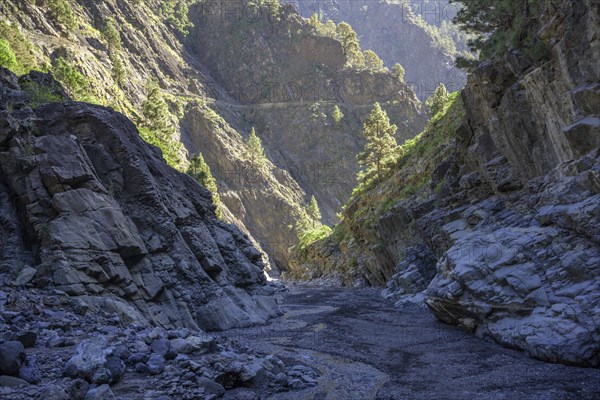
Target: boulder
(12, 355)
(102, 392)
(156, 364)
(94, 361)
(210, 386)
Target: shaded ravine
(367, 349)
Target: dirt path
(366, 349)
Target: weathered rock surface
(102, 354)
(105, 219)
(527, 273)
(509, 221)
(222, 79)
(247, 55)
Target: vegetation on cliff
(351, 242)
(145, 59)
(495, 26)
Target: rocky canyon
(310, 199)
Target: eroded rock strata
(502, 238)
(93, 211)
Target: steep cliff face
(400, 32)
(271, 71)
(92, 210)
(234, 70)
(503, 240)
(533, 126)
(378, 227)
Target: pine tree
(112, 36)
(437, 100)
(381, 143)
(337, 116)
(315, 21)
(329, 29)
(255, 150)
(118, 70)
(303, 224)
(200, 171)
(313, 211)
(372, 61)
(495, 22)
(181, 20)
(350, 45)
(398, 72)
(62, 12)
(157, 116)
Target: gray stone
(252, 372)
(194, 343)
(160, 346)
(25, 276)
(273, 364)
(281, 379)
(156, 364)
(296, 383)
(102, 392)
(6, 380)
(77, 389)
(12, 355)
(27, 338)
(29, 370)
(93, 360)
(54, 392)
(210, 386)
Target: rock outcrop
(524, 268)
(400, 33)
(248, 52)
(237, 68)
(92, 210)
(504, 232)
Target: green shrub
(21, 47)
(493, 24)
(158, 126)
(349, 39)
(176, 13)
(398, 72)
(255, 152)
(337, 116)
(200, 171)
(74, 82)
(62, 12)
(171, 149)
(437, 100)
(7, 56)
(118, 70)
(111, 35)
(39, 94)
(372, 61)
(312, 235)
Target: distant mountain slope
(400, 32)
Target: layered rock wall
(100, 215)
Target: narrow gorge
(299, 199)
